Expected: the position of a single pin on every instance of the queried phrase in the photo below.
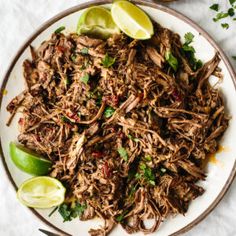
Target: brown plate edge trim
(149, 4)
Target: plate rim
(157, 6)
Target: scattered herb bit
(84, 51)
(51, 213)
(73, 57)
(188, 48)
(234, 57)
(68, 81)
(68, 212)
(99, 99)
(188, 38)
(214, 7)
(225, 25)
(123, 153)
(234, 19)
(120, 217)
(172, 60)
(232, 1)
(65, 119)
(108, 61)
(220, 16)
(132, 138)
(147, 174)
(163, 170)
(231, 12)
(109, 112)
(189, 51)
(59, 30)
(148, 158)
(85, 78)
(132, 190)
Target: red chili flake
(21, 121)
(177, 96)
(106, 170)
(60, 48)
(97, 154)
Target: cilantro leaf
(58, 31)
(172, 60)
(108, 61)
(188, 38)
(220, 16)
(225, 25)
(214, 7)
(109, 112)
(68, 212)
(123, 153)
(132, 138)
(188, 48)
(85, 78)
(84, 51)
(231, 12)
(232, 1)
(148, 158)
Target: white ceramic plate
(220, 173)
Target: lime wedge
(41, 192)
(28, 161)
(97, 22)
(132, 20)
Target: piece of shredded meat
(143, 159)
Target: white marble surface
(18, 20)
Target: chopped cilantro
(214, 7)
(123, 153)
(188, 38)
(68, 212)
(148, 158)
(225, 25)
(172, 60)
(108, 61)
(109, 112)
(220, 16)
(84, 51)
(232, 1)
(231, 12)
(73, 57)
(85, 78)
(132, 138)
(59, 30)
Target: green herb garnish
(59, 30)
(220, 16)
(225, 25)
(189, 52)
(123, 153)
(232, 1)
(234, 57)
(84, 51)
(73, 57)
(148, 158)
(108, 61)
(188, 38)
(214, 7)
(231, 12)
(109, 112)
(85, 78)
(68, 212)
(132, 138)
(120, 217)
(147, 174)
(172, 60)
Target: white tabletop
(18, 20)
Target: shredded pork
(142, 161)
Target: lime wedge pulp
(132, 20)
(41, 192)
(97, 22)
(28, 161)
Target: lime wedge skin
(41, 192)
(132, 20)
(97, 22)
(28, 161)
